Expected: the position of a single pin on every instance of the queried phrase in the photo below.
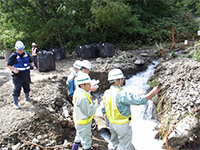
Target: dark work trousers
(21, 82)
(35, 60)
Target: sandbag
(95, 50)
(46, 61)
(59, 53)
(106, 49)
(87, 51)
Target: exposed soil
(40, 124)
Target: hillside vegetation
(67, 23)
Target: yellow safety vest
(78, 93)
(113, 114)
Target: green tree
(111, 18)
(67, 23)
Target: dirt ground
(40, 124)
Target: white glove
(94, 82)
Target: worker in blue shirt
(19, 63)
(71, 77)
(117, 104)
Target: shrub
(195, 54)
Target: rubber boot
(75, 146)
(27, 97)
(16, 106)
(91, 148)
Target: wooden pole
(172, 35)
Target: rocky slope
(178, 103)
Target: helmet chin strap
(85, 71)
(119, 82)
(84, 88)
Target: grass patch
(153, 83)
(195, 54)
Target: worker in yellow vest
(117, 107)
(83, 112)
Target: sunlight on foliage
(195, 54)
(9, 37)
(159, 46)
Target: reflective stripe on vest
(34, 51)
(113, 114)
(22, 64)
(78, 93)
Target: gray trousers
(121, 136)
(84, 135)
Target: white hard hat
(19, 45)
(86, 64)
(77, 64)
(115, 74)
(82, 78)
(33, 44)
